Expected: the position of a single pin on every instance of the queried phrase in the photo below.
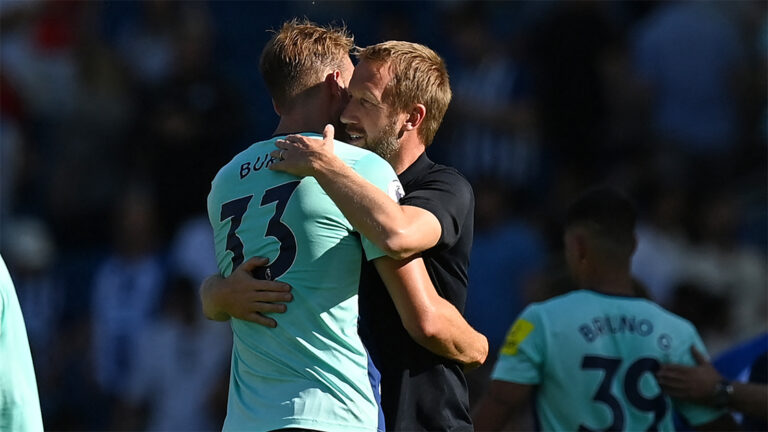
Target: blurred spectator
(726, 268)
(37, 54)
(31, 253)
(89, 144)
(507, 254)
(179, 361)
(691, 57)
(567, 48)
(147, 44)
(189, 125)
(709, 313)
(662, 244)
(126, 291)
(192, 253)
(491, 114)
(37, 82)
(12, 148)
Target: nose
(348, 116)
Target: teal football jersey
(593, 356)
(19, 402)
(311, 371)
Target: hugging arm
(432, 321)
(399, 231)
(242, 296)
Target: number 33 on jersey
(314, 355)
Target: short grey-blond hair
(419, 76)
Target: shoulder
(256, 155)
(536, 312)
(447, 174)
(442, 186)
(369, 165)
(354, 156)
(676, 320)
(562, 301)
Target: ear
(580, 246)
(333, 83)
(415, 117)
(274, 107)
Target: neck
(411, 147)
(295, 124)
(617, 282)
(309, 114)
(609, 278)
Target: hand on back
(244, 297)
(300, 155)
(693, 383)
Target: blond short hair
(418, 76)
(299, 56)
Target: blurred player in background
(399, 94)
(310, 371)
(589, 356)
(19, 401)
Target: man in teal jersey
(591, 354)
(19, 402)
(309, 372)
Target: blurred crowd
(115, 116)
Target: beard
(386, 143)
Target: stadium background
(114, 117)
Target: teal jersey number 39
(593, 357)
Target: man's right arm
(432, 321)
(242, 296)
(399, 231)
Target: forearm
(212, 309)
(447, 334)
(750, 399)
(429, 319)
(372, 211)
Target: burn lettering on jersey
(248, 167)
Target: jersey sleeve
(522, 355)
(380, 173)
(449, 197)
(695, 414)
